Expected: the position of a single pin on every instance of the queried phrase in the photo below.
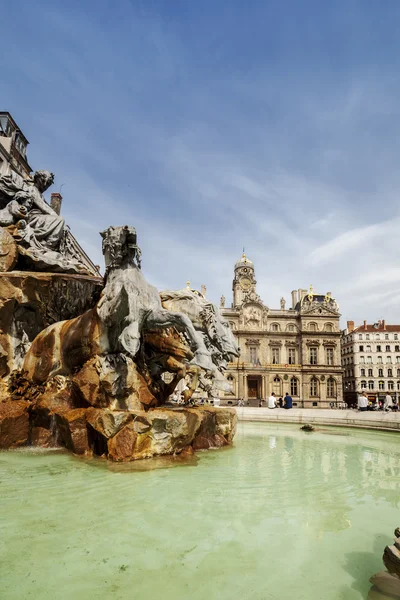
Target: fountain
(89, 364)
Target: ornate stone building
(295, 350)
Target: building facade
(371, 360)
(295, 350)
(13, 145)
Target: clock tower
(244, 280)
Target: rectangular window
(389, 360)
(368, 349)
(370, 385)
(360, 336)
(361, 349)
(378, 348)
(275, 356)
(329, 356)
(367, 336)
(390, 385)
(386, 336)
(313, 356)
(292, 356)
(380, 372)
(253, 355)
(396, 337)
(398, 359)
(397, 348)
(381, 385)
(369, 360)
(380, 360)
(362, 360)
(370, 373)
(387, 348)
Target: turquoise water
(283, 514)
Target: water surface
(283, 514)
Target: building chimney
(294, 298)
(203, 290)
(384, 325)
(365, 324)
(55, 202)
(350, 326)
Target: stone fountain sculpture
(97, 382)
(31, 232)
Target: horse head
(120, 247)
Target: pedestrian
(288, 401)
(272, 401)
(363, 402)
(388, 403)
(395, 405)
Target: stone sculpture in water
(98, 382)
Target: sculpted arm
(39, 203)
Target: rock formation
(89, 367)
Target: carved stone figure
(128, 307)
(252, 317)
(211, 327)
(96, 383)
(222, 302)
(283, 303)
(39, 232)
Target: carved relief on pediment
(252, 316)
(320, 308)
(314, 342)
(329, 343)
(252, 342)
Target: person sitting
(280, 402)
(395, 405)
(272, 401)
(288, 401)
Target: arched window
(380, 372)
(377, 337)
(331, 388)
(363, 385)
(362, 372)
(312, 327)
(290, 327)
(370, 373)
(277, 386)
(329, 327)
(274, 327)
(314, 387)
(294, 386)
(398, 372)
(370, 385)
(381, 385)
(390, 385)
(390, 372)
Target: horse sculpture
(215, 330)
(128, 307)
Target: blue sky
(213, 125)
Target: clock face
(245, 283)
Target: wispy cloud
(209, 126)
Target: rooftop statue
(40, 234)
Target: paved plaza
(386, 421)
